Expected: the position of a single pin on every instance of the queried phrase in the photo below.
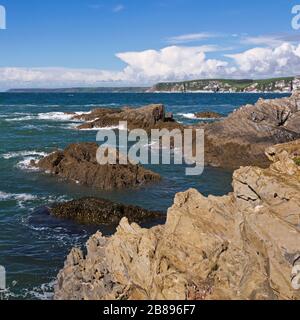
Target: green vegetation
(244, 85)
(297, 161)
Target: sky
(63, 43)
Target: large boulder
(137, 118)
(78, 163)
(242, 137)
(241, 246)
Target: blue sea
(33, 246)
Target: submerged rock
(78, 163)
(208, 115)
(97, 211)
(240, 246)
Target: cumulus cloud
(168, 64)
(171, 63)
(278, 61)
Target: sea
(34, 245)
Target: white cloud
(171, 63)
(259, 62)
(185, 38)
(55, 77)
(168, 64)
(265, 40)
(274, 40)
(119, 8)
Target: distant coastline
(273, 85)
(81, 90)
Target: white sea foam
(51, 116)
(43, 292)
(26, 164)
(15, 196)
(18, 154)
(29, 156)
(24, 118)
(104, 128)
(58, 116)
(187, 115)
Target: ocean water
(33, 246)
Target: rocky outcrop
(208, 115)
(95, 211)
(242, 137)
(78, 163)
(146, 118)
(240, 246)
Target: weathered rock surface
(242, 138)
(95, 211)
(78, 163)
(146, 118)
(239, 139)
(208, 115)
(240, 246)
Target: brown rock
(241, 138)
(137, 118)
(78, 163)
(95, 211)
(240, 246)
(208, 115)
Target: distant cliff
(227, 85)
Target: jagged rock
(208, 115)
(240, 246)
(146, 118)
(97, 211)
(78, 163)
(242, 137)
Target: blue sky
(45, 40)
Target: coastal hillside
(229, 85)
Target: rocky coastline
(279, 85)
(237, 140)
(240, 246)
(242, 137)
